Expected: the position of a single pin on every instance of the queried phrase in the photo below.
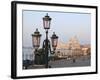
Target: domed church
(71, 48)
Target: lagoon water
(28, 53)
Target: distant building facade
(72, 48)
(86, 49)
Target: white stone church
(71, 48)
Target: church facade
(70, 49)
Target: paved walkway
(69, 63)
(79, 62)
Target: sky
(65, 25)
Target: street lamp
(36, 43)
(54, 40)
(46, 43)
(36, 39)
(46, 21)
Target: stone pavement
(79, 62)
(86, 61)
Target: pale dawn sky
(65, 25)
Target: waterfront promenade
(83, 61)
(79, 62)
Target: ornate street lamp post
(46, 25)
(46, 43)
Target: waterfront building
(70, 48)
